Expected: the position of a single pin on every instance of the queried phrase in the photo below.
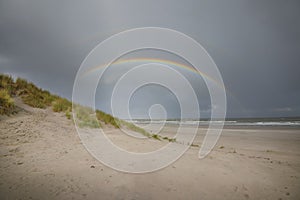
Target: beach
(42, 157)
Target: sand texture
(41, 157)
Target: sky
(255, 44)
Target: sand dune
(41, 157)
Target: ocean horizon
(280, 121)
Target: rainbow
(189, 68)
(155, 60)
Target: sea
(287, 122)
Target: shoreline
(41, 156)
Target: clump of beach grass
(169, 139)
(107, 118)
(85, 117)
(155, 136)
(194, 145)
(7, 89)
(7, 83)
(68, 114)
(61, 105)
(6, 102)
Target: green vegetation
(85, 117)
(7, 83)
(39, 98)
(68, 114)
(107, 118)
(33, 95)
(155, 136)
(134, 128)
(171, 139)
(7, 89)
(6, 102)
(167, 138)
(61, 105)
(194, 145)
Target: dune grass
(6, 102)
(7, 83)
(61, 105)
(68, 114)
(39, 98)
(7, 89)
(169, 139)
(85, 118)
(194, 145)
(32, 95)
(134, 128)
(107, 118)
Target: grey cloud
(255, 44)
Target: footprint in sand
(287, 193)
(246, 195)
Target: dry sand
(41, 157)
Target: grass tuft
(6, 102)
(155, 136)
(68, 114)
(61, 105)
(107, 118)
(7, 83)
(32, 95)
(85, 118)
(194, 145)
(169, 139)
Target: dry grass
(32, 95)
(6, 102)
(39, 98)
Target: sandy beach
(42, 157)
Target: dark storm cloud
(255, 44)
